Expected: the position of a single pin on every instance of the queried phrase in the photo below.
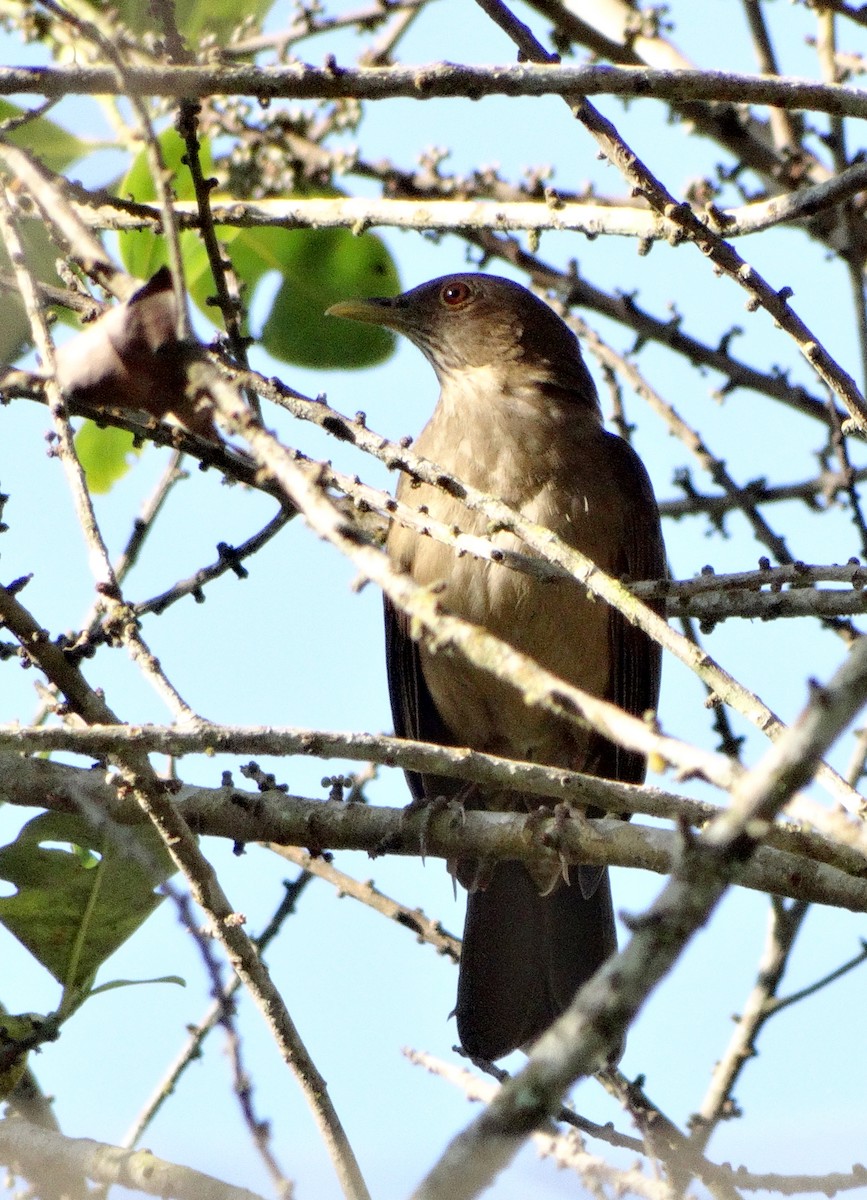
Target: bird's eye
(455, 294)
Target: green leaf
(138, 182)
(106, 455)
(122, 983)
(144, 252)
(51, 143)
(197, 273)
(195, 18)
(73, 912)
(41, 255)
(319, 267)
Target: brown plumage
(518, 417)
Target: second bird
(518, 417)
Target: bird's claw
(427, 810)
(552, 839)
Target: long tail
(524, 957)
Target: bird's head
(472, 322)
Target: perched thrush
(518, 417)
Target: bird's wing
(636, 658)
(412, 706)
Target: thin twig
(259, 1130)
(784, 924)
(786, 136)
(690, 437)
(198, 1033)
(424, 927)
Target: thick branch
(39, 781)
(28, 1149)
(586, 216)
(438, 80)
(560, 838)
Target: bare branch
(784, 925)
(800, 865)
(302, 82)
(584, 216)
(25, 1149)
(565, 1148)
(413, 919)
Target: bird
(518, 417)
(131, 358)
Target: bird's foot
(426, 809)
(552, 837)
(563, 814)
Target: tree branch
(27, 1148)
(792, 863)
(438, 80)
